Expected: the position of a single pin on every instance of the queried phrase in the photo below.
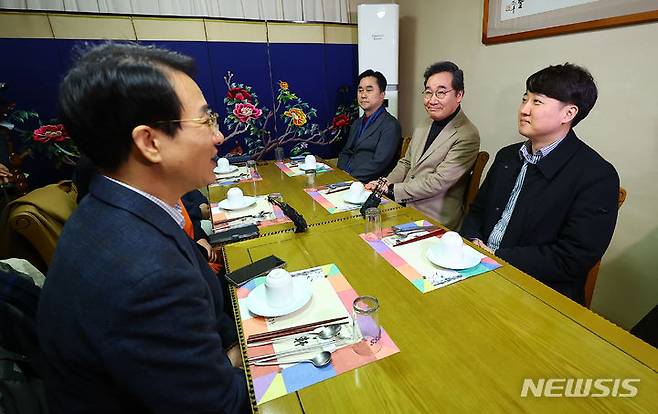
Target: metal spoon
(400, 232)
(323, 332)
(259, 215)
(339, 185)
(327, 331)
(403, 235)
(228, 177)
(320, 360)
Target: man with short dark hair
(374, 140)
(130, 318)
(549, 205)
(432, 176)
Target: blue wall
(33, 68)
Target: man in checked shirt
(549, 205)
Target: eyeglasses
(427, 95)
(211, 120)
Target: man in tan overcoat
(432, 174)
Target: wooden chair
(475, 174)
(590, 282)
(405, 146)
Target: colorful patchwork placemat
(332, 298)
(242, 175)
(266, 214)
(291, 169)
(334, 202)
(411, 261)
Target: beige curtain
(334, 11)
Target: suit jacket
(130, 315)
(564, 217)
(434, 182)
(373, 154)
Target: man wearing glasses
(374, 141)
(130, 318)
(549, 205)
(431, 176)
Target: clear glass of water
(251, 167)
(373, 228)
(279, 154)
(367, 330)
(310, 178)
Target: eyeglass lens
(439, 94)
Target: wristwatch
(389, 192)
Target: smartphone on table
(258, 268)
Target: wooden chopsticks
(266, 336)
(424, 236)
(336, 190)
(235, 219)
(292, 352)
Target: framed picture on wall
(512, 20)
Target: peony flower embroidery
(246, 111)
(239, 94)
(47, 133)
(340, 121)
(298, 116)
(283, 85)
(53, 141)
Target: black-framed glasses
(440, 94)
(211, 120)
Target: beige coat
(435, 182)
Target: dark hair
(438, 67)
(83, 174)
(381, 79)
(567, 83)
(114, 87)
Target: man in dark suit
(130, 317)
(375, 139)
(549, 205)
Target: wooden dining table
(292, 188)
(466, 347)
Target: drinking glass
(251, 166)
(279, 154)
(373, 228)
(310, 178)
(367, 330)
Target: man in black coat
(549, 205)
(373, 145)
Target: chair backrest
(593, 274)
(19, 298)
(405, 146)
(36, 220)
(475, 174)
